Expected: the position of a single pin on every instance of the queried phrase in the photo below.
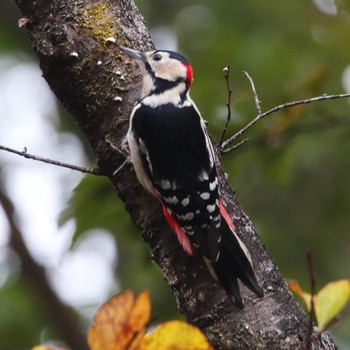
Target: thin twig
(50, 161)
(330, 323)
(233, 148)
(255, 94)
(312, 300)
(228, 104)
(278, 108)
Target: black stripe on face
(149, 70)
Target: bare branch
(312, 300)
(256, 97)
(228, 104)
(278, 108)
(233, 148)
(330, 323)
(51, 161)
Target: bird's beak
(138, 55)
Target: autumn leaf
(175, 335)
(329, 301)
(306, 297)
(120, 323)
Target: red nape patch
(181, 235)
(189, 74)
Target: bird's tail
(234, 261)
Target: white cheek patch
(169, 69)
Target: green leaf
(330, 300)
(95, 204)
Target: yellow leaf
(175, 335)
(330, 300)
(118, 322)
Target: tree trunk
(99, 85)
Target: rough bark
(98, 85)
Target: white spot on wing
(217, 218)
(171, 200)
(165, 185)
(205, 195)
(204, 176)
(185, 201)
(211, 208)
(213, 184)
(187, 217)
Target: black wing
(178, 157)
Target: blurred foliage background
(292, 177)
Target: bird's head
(162, 70)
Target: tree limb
(99, 85)
(65, 320)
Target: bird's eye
(157, 57)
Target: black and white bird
(174, 160)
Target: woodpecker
(174, 160)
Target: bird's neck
(160, 92)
